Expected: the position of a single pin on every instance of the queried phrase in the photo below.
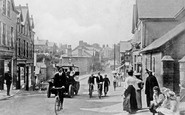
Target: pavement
(3, 93)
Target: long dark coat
(133, 103)
(8, 78)
(99, 79)
(151, 82)
(60, 80)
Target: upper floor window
(8, 9)
(24, 48)
(0, 31)
(12, 37)
(27, 50)
(4, 34)
(4, 7)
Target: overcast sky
(93, 21)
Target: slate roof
(165, 38)
(159, 8)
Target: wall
(175, 48)
(147, 61)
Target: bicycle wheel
(57, 105)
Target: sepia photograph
(92, 57)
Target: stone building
(8, 15)
(158, 28)
(24, 48)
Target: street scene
(86, 57)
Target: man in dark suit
(8, 79)
(151, 82)
(60, 80)
(99, 81)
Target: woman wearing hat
(130, 103)
(170, 104)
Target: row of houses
(16, 44)
(158, 27)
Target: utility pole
(114, 56)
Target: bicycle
(100, 85)
(90, 90)
(58, 105)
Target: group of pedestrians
(100, 82)
(159, 101)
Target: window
(19, 47)
(153, 68)
(27, 49)
(8, 10)
(4, 7)
(4, 34)
(24, 48)
(12, 37)
(146, 63)
(8, 37)
(0, 32)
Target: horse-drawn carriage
(72, 85)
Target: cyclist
(60, 81)
(91, 81)
(106, 83)
(99, 81)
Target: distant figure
(106, 83)
(151, 82)
(8, 79)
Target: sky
(93, 21)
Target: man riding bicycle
(99, 81)
(60, 81)
(91, 82)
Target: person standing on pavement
(8, 80)
(151, 82)
(138, 86)
(130, 103)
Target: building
(24, 48)
(41, 46)
(125, 55)
(52, 48)
(107, 52)
(84, 56)
(8, 15)
(157, 27)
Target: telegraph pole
(114, 56)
